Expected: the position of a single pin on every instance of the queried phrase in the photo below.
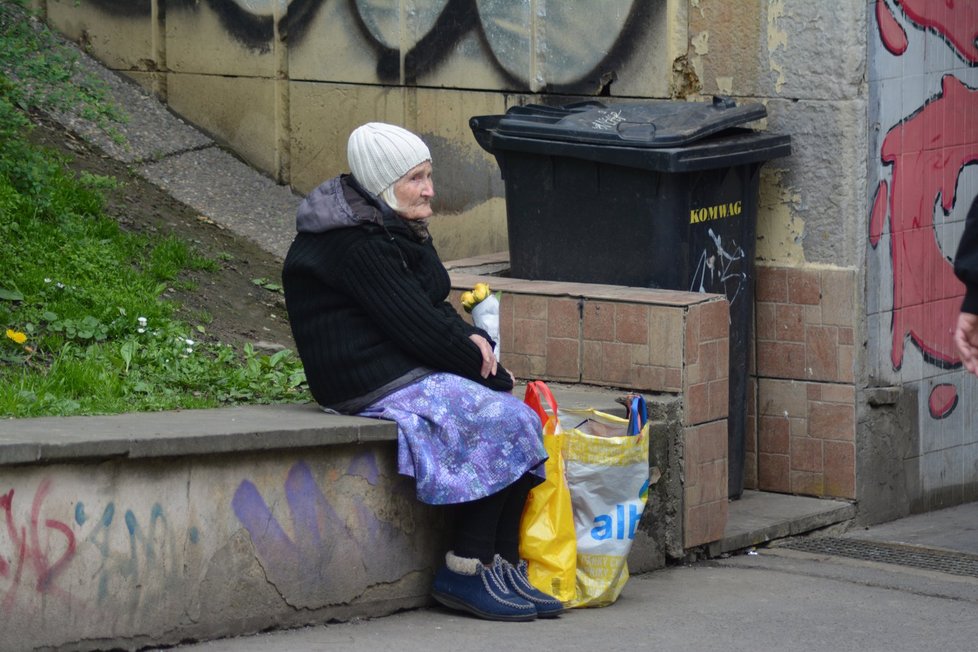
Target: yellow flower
(480, 291)
(16, 336)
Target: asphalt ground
(768, 598)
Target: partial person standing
(966, 269)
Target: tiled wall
(923, 101)
(632, 338)
(805, 394)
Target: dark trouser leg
(489, 525)
(475, 526)
(508, 530)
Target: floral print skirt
(459, 440)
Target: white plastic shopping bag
(606, 462)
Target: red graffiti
(955, 20)
(927, 152)
(29, 553)
(892, 34)
(942, 400)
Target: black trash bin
(656, 194)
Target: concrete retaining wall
(149, 529)
(153, 528)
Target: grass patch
(85, 327)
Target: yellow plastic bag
(606, 466)
(548, 540)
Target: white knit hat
(379, 154)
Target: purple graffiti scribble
(303, 566)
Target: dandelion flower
(16, 336)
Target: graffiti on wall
(38, 552)
(578, 52)
(62, 552)
(27, 563)
(152, 548)
(925, 153)
(720, 269)
(323, 537)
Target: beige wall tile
(599, 321)
(807, 483)
(771, 284)
(529, 306)
(772, 435)
(563, 318)
(832, 421)
(838, 298)
(781, 360)
(789, 325)
(821, 353)
(632, 323)
(772, 473)
(782, 397)
(840, 469)
(530, 336)
(719, 396)
(806, 454)
(804, 286)
(563, 358)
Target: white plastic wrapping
(485, 315)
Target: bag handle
(536, 389)
(638, 414)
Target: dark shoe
(517, 579)
(467, 585)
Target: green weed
(85, 325)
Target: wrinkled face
(414, 191)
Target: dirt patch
(229, 302)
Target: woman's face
(414, 191)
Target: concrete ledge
(181, 433)
(221, 430)
(760, 517)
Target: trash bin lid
(666, 123)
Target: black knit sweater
(366, 298)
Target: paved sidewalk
(774, 599)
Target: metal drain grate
(954, 563)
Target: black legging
(491, 525)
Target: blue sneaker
(518, 581)
(467, 585)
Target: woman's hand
(488, 357)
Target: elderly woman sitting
(366, 296)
